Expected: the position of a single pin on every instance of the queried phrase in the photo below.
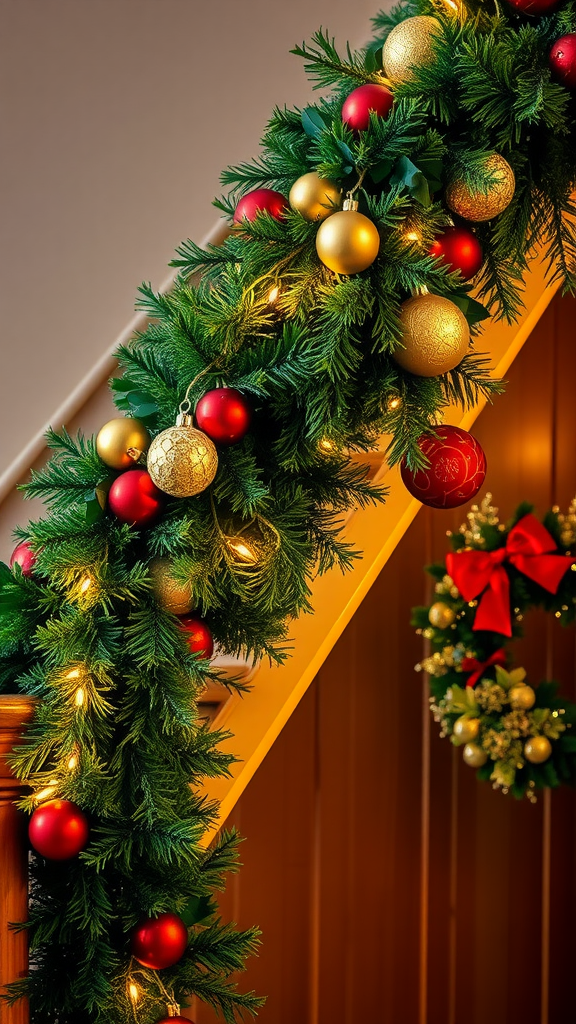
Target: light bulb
(134, 992)
(79, 697)
(72, 762)
(46, 793)
(274, 293)
(326, 445)
(242, 551)
(86, 584)
(73, 674)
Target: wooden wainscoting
(390, 886)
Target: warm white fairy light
(133, 992)
(47, 792)
(74, 673)
(72, 762)
(86, 584)
(241, 550)
(80, 696)
(274, 293)
(327, 446)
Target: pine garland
(314, 353)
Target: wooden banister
(15, 713)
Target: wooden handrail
(15, 713)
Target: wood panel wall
(391, 887)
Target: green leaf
(312, 122)
(411, 177)
(373, 57)
(473, 311)
(197, 909)
(380, 170)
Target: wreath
(516, 734)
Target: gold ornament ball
(435, 335)
(314, 197)
(182, 461)
(441, 615)
(466, 729)
(522, 697)
(409, 46)
(347, 242)
(120, 442)
(483, 205)
(474, 756)
(537, 749)
(172, 596)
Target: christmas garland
(515, 734)
(337, 309)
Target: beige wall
(118, 117)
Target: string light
(274, 293)
(327, 446)
(47, 792)
(86, 584)
(412, 235)
(242, 552)
(74, 673)
(133, 992)
(393, 402)
(72, 762)
(80, 697)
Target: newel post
(15, 713)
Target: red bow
(477, 668)
(528, 549)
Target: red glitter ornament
(261, 200)
(357, 106)
(534, 7)
(24, 556)
(224, 414)
(459, 249)
(563, 60)
(456, 471)
(134, 497)
(198, 635)
(159, 941)
(58, 830)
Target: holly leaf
(312, 122)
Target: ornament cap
(350, 204)
(184, 419)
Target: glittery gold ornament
(441, 615)
(347, 242)
(435, 335)
(409, 46)
(474, 756)
(172, 596)
(537, 749)
(182, 461)
(121, 442)
(466, 729)
(314, 197)
(521, 696)
(487, 203)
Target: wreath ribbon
(530, 549)
(477, 668)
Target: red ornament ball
(198, 635)
(563, 60)
(170, 1020)
(134, 497)
(456, 471)
(261, 200)
(24, 556)
(224, 414)
(459, 249)
(534, 6)
(159, 941)
(58, 830)
(357, 106)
